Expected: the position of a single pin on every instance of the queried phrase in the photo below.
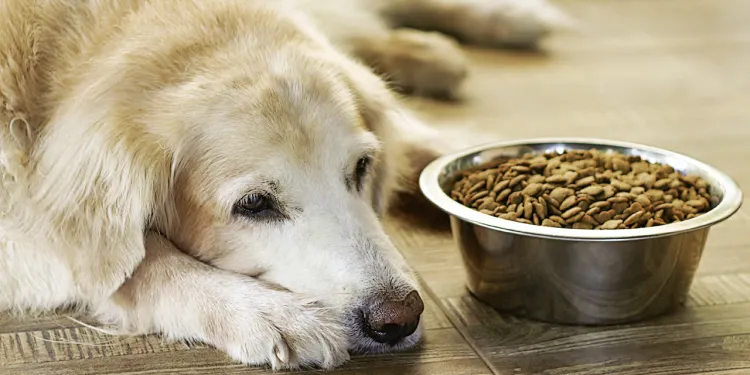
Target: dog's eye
(252, 204)
(363, 165)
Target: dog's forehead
(310, 110)
(303, 116)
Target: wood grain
(667, 73)
(444, 351)
(695, 340)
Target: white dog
(214, 170)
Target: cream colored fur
(131, 128)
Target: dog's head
(279, 167)
(252, 145)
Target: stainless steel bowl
(577, 276)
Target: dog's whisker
(97, 329)
(21, 143)
(81, 343)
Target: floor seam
(455, 321)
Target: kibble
(584, 189)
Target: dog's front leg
(173, 294)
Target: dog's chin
(361, 344)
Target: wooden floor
(669, 73)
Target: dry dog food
(583, 189)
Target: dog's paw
(285, 333)
(424, 63)
(514, 23)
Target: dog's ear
(408, 144)
(97, 178)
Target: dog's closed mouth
(392, 334)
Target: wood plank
(699, 339)
(444, 352)
(10, 323)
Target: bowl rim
(430, 187)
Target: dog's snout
(389, 321)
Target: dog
(216, 170)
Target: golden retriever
(215, 170)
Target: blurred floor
(668, 73)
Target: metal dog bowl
(578, 276)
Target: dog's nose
(389, 322)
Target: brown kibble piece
(554, 210)
(575, 218)
(585, 181)
(632, 219)
(551, 223)
(620, 207)
(589, 220)
(490, 181)
(663, 206)
(536, 179)
(697, 204)
(500, 186)
(509, 216)
(568, 202)
(558, 219)
(488, 204)
(614, 200)
(571, 212)
(476, 187)
(592, 190)
(593, 211)
(639, 167)
(662, 184)
(603, 217)
(515, 198)
(517, 180)
(538, 166)
(582, 225)
(620, 185)
(528, 208)
(655, 195)
(539, 210)
(570, 176)
(478, 195)
(559, 194)
(643, 200)
(609, 191)
(611, 224)
(602, 205)
(532, 189)
(556, 179)
(551, 201)
(620, 165)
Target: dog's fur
(131, 129)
